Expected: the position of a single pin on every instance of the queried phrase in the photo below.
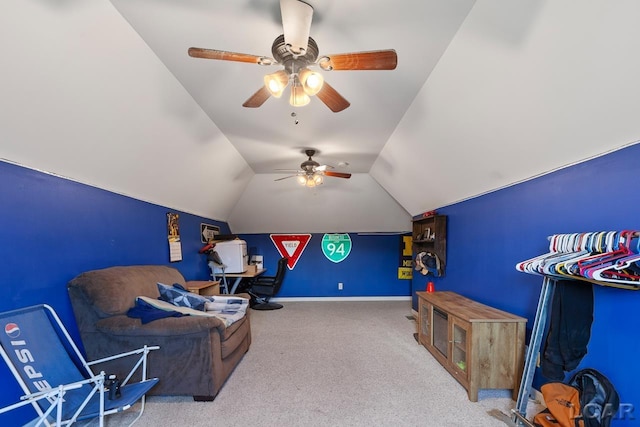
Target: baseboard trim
(354, 298)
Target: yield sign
(290, 246)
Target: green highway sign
(336, 247)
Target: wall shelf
(435, 227)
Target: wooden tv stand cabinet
(480, 346)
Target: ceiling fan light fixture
(311, 81)
(310, 182)
(276, 83)
(298, 96)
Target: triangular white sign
(290, 246)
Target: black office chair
(262, 288)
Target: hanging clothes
(569, 328)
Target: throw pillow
(176, 295)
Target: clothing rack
(605, 258)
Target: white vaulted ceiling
(485, 94)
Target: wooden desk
(204, 287)
(239, 276)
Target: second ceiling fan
(296, 52)
(312, 173)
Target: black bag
(599, 400)
(588, 399)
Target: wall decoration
(405, 270)
(290, 246)
(175, 247)
(336, 246)
(208, 232)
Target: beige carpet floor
(333, 364)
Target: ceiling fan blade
(296, 23)
(258, 98)
(332, 98)
(372, 60)
(285, 177)
(197, 52)
(337, 174)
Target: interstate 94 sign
(336, 247)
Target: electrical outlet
(340, 286)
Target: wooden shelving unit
(430, 234)
(480, 346)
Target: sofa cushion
(181, 298)
(233, 337)
(228, 317)
(113, 290)
(170, 327)
(165, 305)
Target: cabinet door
(440, 332)
(460, 338)
(424, 333)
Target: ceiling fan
(312, 173)
(295, 51)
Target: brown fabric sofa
(197, 354)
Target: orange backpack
(588, 399)
(563, 406)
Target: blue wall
(488, 235)
(53, 229)
(371, 269)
